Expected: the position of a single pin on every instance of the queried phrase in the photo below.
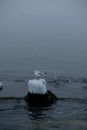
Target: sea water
(56, 45)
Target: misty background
(50, 35)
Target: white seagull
(38, 85)
(38, 95)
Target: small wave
(20, 80)
(81, 80)
(66, 80)
(58, 79)
(80, 100)
(11, 98)
(6, 109)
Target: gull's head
(38, 74)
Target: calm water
(54, 41)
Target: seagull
(38, 85)
(38, 95)
(38, 74)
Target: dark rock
(39, 100)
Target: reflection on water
(64, 114)
(36, 113)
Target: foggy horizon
(46, 30)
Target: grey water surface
(50, 36)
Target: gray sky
(52, 26)
(44, 7)
(48, 29)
